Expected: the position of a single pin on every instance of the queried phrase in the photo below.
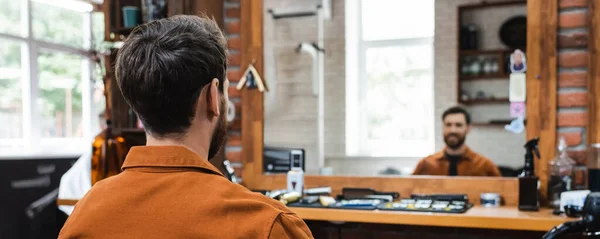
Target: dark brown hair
(163, 66)
(457, 110)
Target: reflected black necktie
(453, 160)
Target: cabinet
(487, 33)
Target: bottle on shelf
(560, 174)
(475, 67)
(487, 66)
(465, 66)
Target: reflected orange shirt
(470, 164)
(170, 192)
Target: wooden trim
(485, 4)
(251, 20)
(506, 218)
(542, 82)
(472, 186)
(66, 202)
(593, 128)
(542, 52)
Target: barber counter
(477, 222)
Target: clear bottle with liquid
(560, 174)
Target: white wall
(290, 107)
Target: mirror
(390, 70)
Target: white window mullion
(86, 78)
(30, 92)
(25, 18)
(362, 98)
(34, 92)
(362, 88)
(26, 94)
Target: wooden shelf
(483, 52)
(485, 101)
(488, 124)
(495, 123)
(497, 76)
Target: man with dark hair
(456, 159)
(172, 74)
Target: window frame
(356, 87)
(31, 142)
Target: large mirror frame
(541, 116)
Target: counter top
(509, 218)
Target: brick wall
(572, 72)
(232, 32)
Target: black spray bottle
(529, 184)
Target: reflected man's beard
(460, 140)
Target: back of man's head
(163, 66)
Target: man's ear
(213, 98)
(469, 127)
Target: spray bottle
(529, 184)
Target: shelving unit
(498, 76)
(113, 18)
(485, 101)
(494, 123)
(113, 14)
(479, 88)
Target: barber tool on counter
(529, 184)
(351, 198)
(490, 199)
(295, 177)
(290, 196)
(446, 203)
(588, 226)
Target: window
(47, 102)
(389, 71)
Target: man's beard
(220, 133)
(457, 144)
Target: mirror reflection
(379, 87)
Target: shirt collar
(166, 157)
(468, 155)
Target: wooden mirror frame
(541, 116)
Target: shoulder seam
(272, 224)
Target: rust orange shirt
(470, 164)
(170, 192)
